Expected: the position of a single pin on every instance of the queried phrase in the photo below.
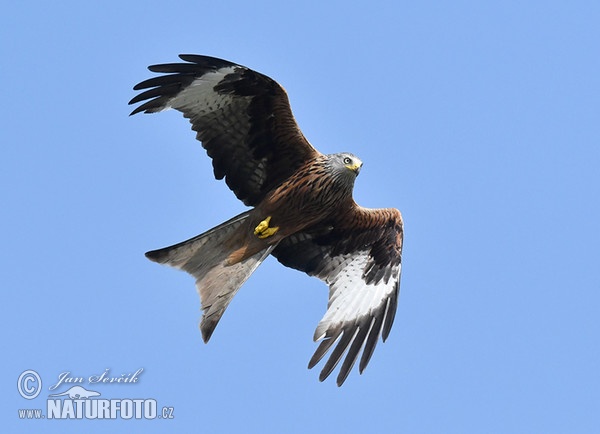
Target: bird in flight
(301, 208)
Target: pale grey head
(345, 163)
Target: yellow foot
(263, 230)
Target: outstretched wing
(243, 119)
(359, 256)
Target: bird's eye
(347, 160)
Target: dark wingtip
(206, 61)
(192, 58)
(390, 314)
(322, 350)
(138, 109)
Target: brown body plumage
(316, 192)
(303, 211)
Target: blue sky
(478, 120)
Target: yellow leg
(263, 230)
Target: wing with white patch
(243, 119)
(360, 258)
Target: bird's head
(346, 163)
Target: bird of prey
(301, 208)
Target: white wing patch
(350, 297)
(200, 97)
(361, 309)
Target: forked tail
(206, 258)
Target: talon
(263, 230)
(262, 226)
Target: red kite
(302, 210)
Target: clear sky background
(478, 120)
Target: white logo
(78, 392)
(26, 389)
(78, 402)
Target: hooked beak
(355, 167)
